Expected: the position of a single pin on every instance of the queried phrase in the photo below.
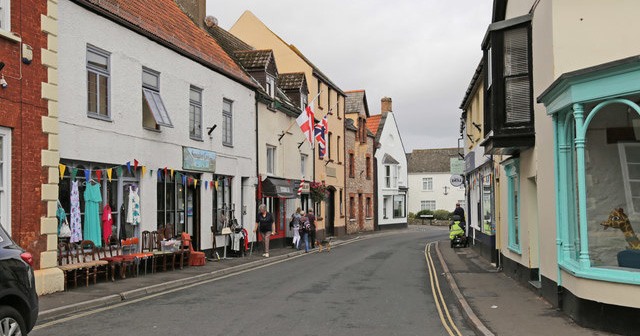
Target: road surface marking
(437, 294)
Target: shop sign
(306, 188)
(198, 159)
(456, 166)
(456, 180)
(469, 161)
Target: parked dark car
(18, 298)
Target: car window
(4, 237)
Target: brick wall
(359, 184)
(21, 110)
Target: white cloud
(421, 53)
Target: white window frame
(151, 96)
(427, 184)
(387, 176)
(195, 113)
(5, 15)
(303, 164)
(227, 123)
(271, 86)
(428, 205)
(271, 160)
(625, 164)
(5, 180)
(99, 73)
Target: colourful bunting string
(74, 172)
(87, 174)
(171, 173)
(129, 166)
(109, 172)
(135, 165)
(195, 183)
(184, 179)
(144, 170)
(98, 175)
(119, 171)
(62, 168)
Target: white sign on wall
(456, 180)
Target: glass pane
(181, 196)
(162, 111)
(517, 99)
(226, 106)
(104, 95)
(97, 60)
(195, 95)
(633, 154)
(635, 189)
(92, 92)
(516, 55)
(634, 171)
(150, 79)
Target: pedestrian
(312, 222)
(264, 222)
(294, 225)
(460, 212)
(306, 229)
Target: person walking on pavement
(312, 222)
(294, 225)
(264, 222)
(306, 229)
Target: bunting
(98, 175)
(109, 172)
(62, 168)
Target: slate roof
(356, 101)
(254, 59)
(229, 42)
(165, 23)
(316, 71)
(350, 125)
(291, 81)
(472, 86)
(431, 160)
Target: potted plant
(318, 191)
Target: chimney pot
(385, 104)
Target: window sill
(227, 145)
(99, 117)
(10, 36)
(515, 249)
(152, 129)
(196, 139)
(352, 219)
(601, 274)
(368, 218)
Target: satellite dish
(210, 21)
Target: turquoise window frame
(565, 101)
(512, 170)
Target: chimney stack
(385, 104)
(196, 10)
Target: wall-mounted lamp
(211, 129)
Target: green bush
(442, 214)
(424, 212)
(412, 215)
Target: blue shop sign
(198, 159)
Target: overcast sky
(421, 53)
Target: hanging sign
(198, 159)
(456, 166)
(456, 180)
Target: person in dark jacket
(312, 232)
(460, 212)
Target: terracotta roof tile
(164, 20)
(373, 122)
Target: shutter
(516, 52)
(517, 99)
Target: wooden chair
(147, 247)
(196, 258)
(112, 254)
(69, 264)
(156, 238)
(94, 265)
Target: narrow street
(377, 286)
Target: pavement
(491, 302)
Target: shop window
(154, 113)
(427, 184)
(487, 209)
(98, 73)
(428, 205)
(352, 207)
(5, 15)
(195, 113)
(222, 203)
(177, 203)
(398, 206)
(227, 123)
(512, 170)
(271, 160)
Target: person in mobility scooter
(456, 233)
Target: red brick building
(28, 128)
(359, 179)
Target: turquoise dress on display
(92, 200)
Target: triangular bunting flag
(211, 185)
(171, 173)
(119, 171)
(159, 175)
(74, 172)
(216, 183)
(109, 172)
(129, 166)
(98, 175)
(184, 179)
(195, 183)
(206, 184)
(62, 168)
(144, 170)
(87, 174)
(135, 165)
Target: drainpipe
(258, 196)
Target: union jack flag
(320, 131)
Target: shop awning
(281, 188)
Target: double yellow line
(438, 298)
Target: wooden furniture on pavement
(196, 258)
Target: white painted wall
(391, 143)
(440, 181)
(123, 138)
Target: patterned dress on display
(76, 223)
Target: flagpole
(294, 121)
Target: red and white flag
(306, 120)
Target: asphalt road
(374, 286)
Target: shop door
(330, 214)
(193, 216)
(361, 206)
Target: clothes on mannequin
(76, 225)
(107, 223)
(92, 200)
(133, 209)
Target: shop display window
(398, 206)
(222, 203)
(512, 169)
(177, 203)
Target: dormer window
(271, 86)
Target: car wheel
(11, 322)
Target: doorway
(330, 207)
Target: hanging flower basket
(318, 191)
